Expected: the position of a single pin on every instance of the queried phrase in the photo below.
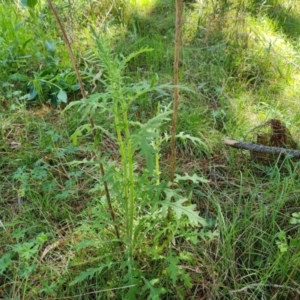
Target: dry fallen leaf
(14, 145)
(51, 247)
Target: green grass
(239, 67)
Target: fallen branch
(261, 148)
(260, 285)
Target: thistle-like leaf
(78, 132)
(180, 207)
(88, 273)
(196, 141)
(147, 133)
(194, 178)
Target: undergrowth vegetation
(87, 207)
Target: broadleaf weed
(139, 197)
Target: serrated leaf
(26, 250)
(193, 139)
(85, 244)
(294, 221)
(188, 210)
(180, 207)
(185, 277)
(82, 161)
(5, 261)
(147, 134)
(148, 152)
(173, 269)
(154, 293)
(296, 215)
(95, 104)
(79, 132)
(134, 54)
(88, 273)
(194, 178)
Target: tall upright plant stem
(176, 89)
(84, 95)
(128, 171)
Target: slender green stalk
(130, 173)
(129, 181)
(121, 126)
(120, 108)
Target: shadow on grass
(150, 28)
(287, 20)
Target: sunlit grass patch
(143, 6)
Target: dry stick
(256, 285)
(84, 95)
(176, 89)
(67, 43)
(261, 148)
(178, 4)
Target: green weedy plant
(139, 198)
(22, 268)
(23, 44)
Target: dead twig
(261, 148)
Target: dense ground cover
(228, 228)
